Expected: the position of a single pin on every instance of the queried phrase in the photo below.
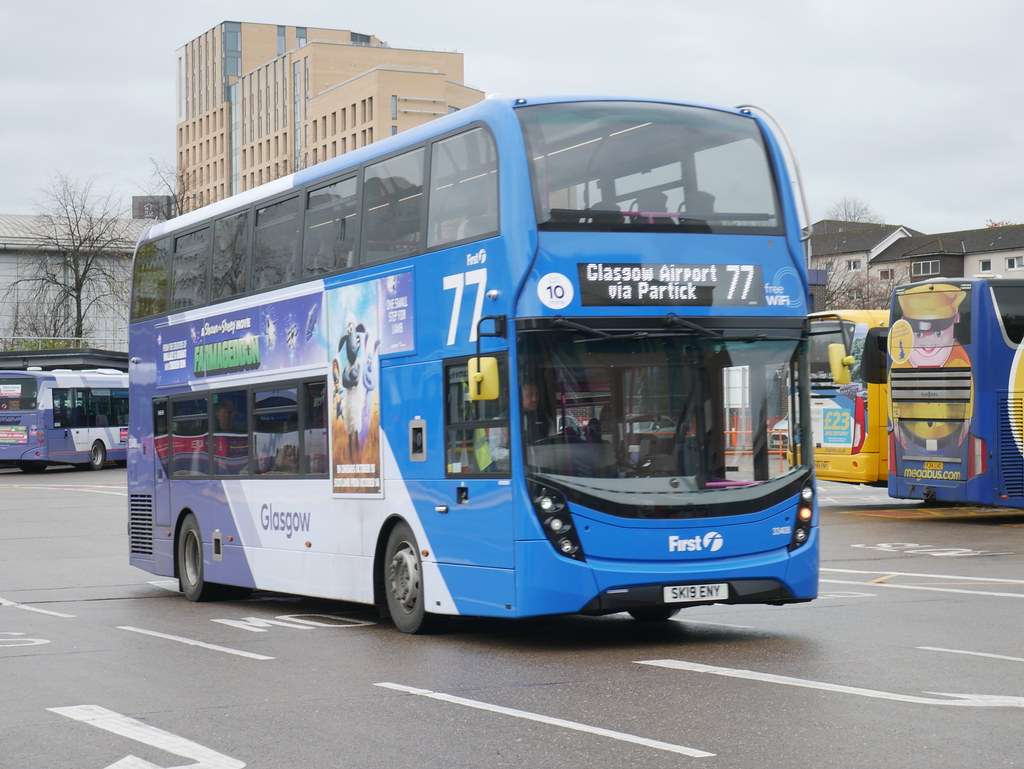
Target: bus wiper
(674, 321)
(560, 321)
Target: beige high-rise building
(258, 101)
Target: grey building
(34, 315)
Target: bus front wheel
(403, 582)
(190, 562)
(654, 613)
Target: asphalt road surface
(912, 657)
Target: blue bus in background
(523, 360)
(956, 391)
(63, 417)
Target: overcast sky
(913, 107)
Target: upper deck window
(634, 166)
(151, 271)
(463, 189)
(230, 256)
(393, 204)
(330, 240)
(276, 243)
(190, 287)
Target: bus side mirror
(840, 363)
(483, 379)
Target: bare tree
(848, 209)
(856, 289)
(80, 265)
(178, 185)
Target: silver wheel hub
(405, 578)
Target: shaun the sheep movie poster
(367, 320)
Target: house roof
(849, 242)
(960, 243)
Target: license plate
(684, 593)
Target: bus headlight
(552, 511)
(804, 517)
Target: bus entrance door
(160, 458)
(59, 430)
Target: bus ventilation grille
(915, 385)
(140, 514)
(1011, 464)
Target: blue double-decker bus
(523, 360)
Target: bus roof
(492, 107)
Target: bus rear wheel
(189, 557)
(403, 582)
(97, 457)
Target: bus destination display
(693, 285)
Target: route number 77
(458, 282)
(737, 270)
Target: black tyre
(190, 562)
(654, 613)
(97, 457)
(403, 582)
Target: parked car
(778, 435)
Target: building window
(852, 265)
(1015, 262)
(985, 265)
(394, 108)
(885, 275)
(921, 269)
(300, 37)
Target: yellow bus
(849, 391)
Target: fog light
(800, 535)
(556, 524)
(566, 546)
(805, 513)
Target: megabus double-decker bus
(523, 360)
(849, 393)
(956, 388)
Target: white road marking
(949, 578)
(193, 642)
(714, 624)
(15, 605)
(994, 580)
(16, 639)
(621, 736)
(171, 585)
(90, 489)
(928, 588)
(961, 700)
(972, 654)
(108, 720)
